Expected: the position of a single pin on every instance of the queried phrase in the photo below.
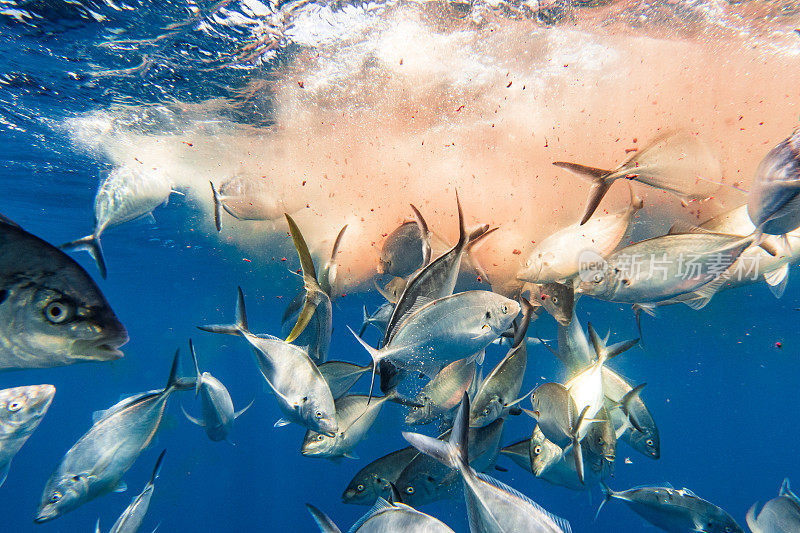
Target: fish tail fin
(620, 347)
(597, 344)
(157, 468)
(241, 411)
(607, 495)
(463, 236)
(196, 368)
(600, 184)
(577, 451)
(376, 359)
(626, 406)
(172, 381)
(91, 245)
(475, 238)
(424, 235)
(309, 280)
(239, 327)
(324, 523)
(452, 453)
(522, 330)
(217, 205)
(364, 321)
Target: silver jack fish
(445, 330)
(126, 194)
(443, 393)
(216, 404)
(779, 515)
(375, 479)
(303, 395)
(674, 510)
(676, 162)
(384, 517)
(250, 198)
(132, 517)
(51, 312)
(94, 466)
(773, 202)
(492, 507)
(21, 410)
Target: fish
(779, 515)
(21, 411)
(665, 267)
(216, 404)
(328, 274)
(317, 303)
(443, 393)
(557, 258)
(576, 354)
(492, 506)
(384, 517)
(354, 417)
(379, 318)
(94, 466)
(402, 251)
(674, 509)
(251, 198)
(435, 280)
(132, 517)
(124, 195)
(303, 395)
(755, 262)
(341, 376)
(51, 311)
(374, 480)
(425, 480)
(600, 443)
(773, 201)
(556, 298)
(444, 330)
(497, 394)
(677, 162)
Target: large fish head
(62, 494)
(538, 267)
(425, 485)
(500, 313)
(483, 413)
(319, 413)
(543, 453)
(647, 443)
(420, 414)
(770, 192)
(59, 317)
(21, 408)
(558, 299)
(317, 444)
(598, 280)
(364, 490)
(602, 442)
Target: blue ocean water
(721, 383)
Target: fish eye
(415, 408)
(55, 497)
(76, 478)
(305, 399)
(486, 412)
(598, 277)
(410, 490)
(488, 314)
(626, 282)
(537, 450)
(15, 406)
(649, 442)
(504, 309)
(727, 529)
(555, 300)
(318, 414)
(57, 312)
(320, 436)
(360, 488)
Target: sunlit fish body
(557, 257)
(51, 312)
(665, 267)
(445, 330)
(384, 517)
(21, 410)
(375, 479)
(251, 198)
(755, 262)
(492, 507)
(676, 162)
(779, 515)
(303, 395)
(401, 253)
(94, 466)
(132, 517)
(443, 393)
(215, 404)
(677, 510)
(773, 202)
(426, 480)
(126, 194)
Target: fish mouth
(44, 396)
(103, 350)
(44, 516)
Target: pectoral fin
(777, 280)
